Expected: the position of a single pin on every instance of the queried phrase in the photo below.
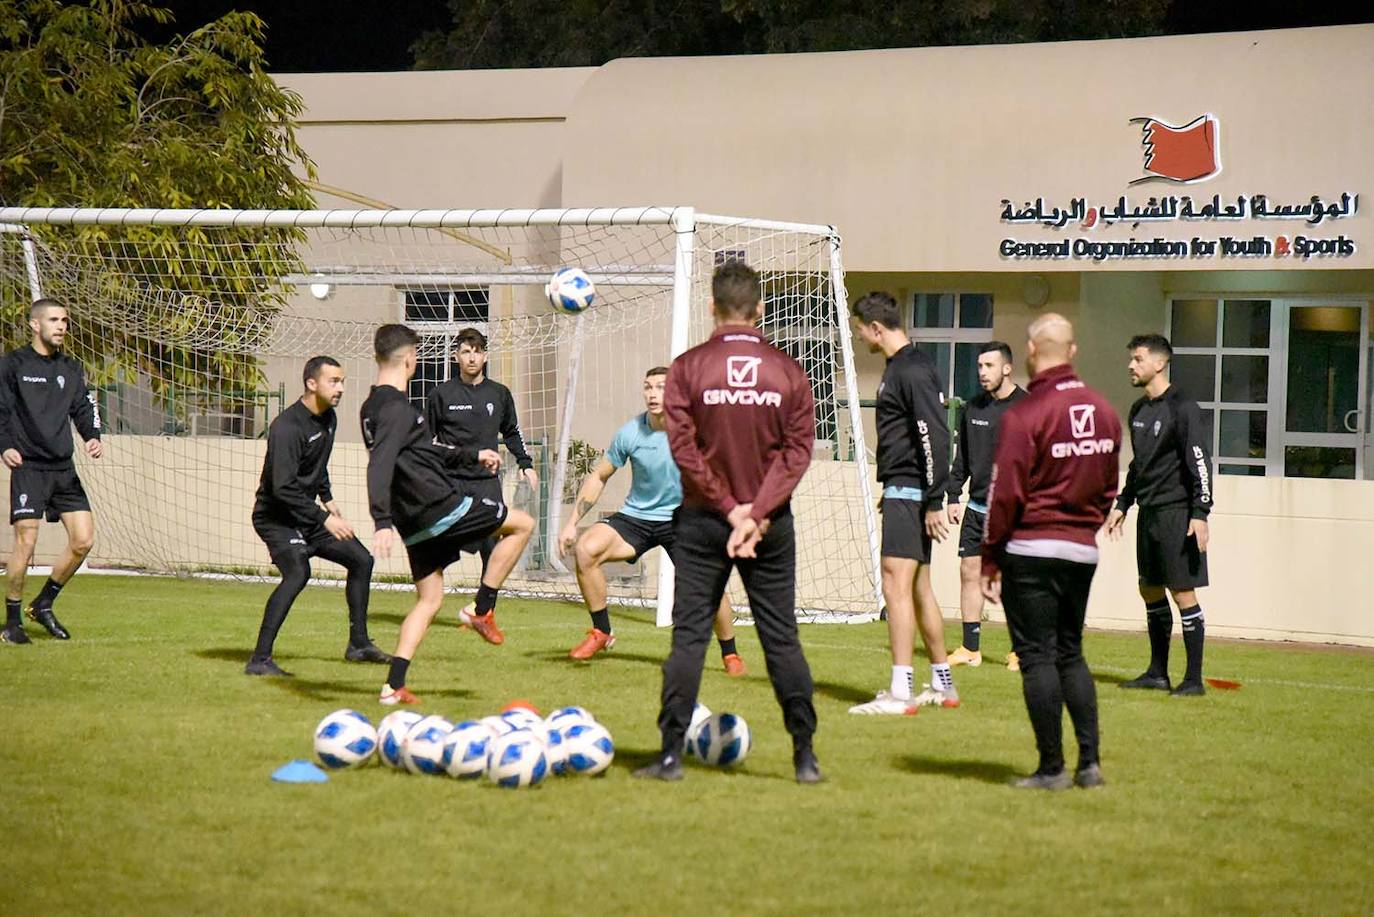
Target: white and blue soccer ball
(556, 751)
(589, 748)
(345, 738)
(564, 717)
(498, 725)
(517, 759)
(522, 718)
(723, 740)
(570, 290)
(465, 749)
(391, 736)
(700, 714)
(422, 752)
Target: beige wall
(459, 139)
(910, 152)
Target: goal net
(193, 327)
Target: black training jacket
(408, 475)
(977, 444)
(40, 397)
(1172, 463)
(913, 436)
(296, 469)
(472, 417)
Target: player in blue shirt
(644, 522)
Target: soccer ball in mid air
(516, 760)
(391, 735)
(722, 740)
(588, 748)
(570, 290)
(345, 738)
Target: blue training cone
(299, 772)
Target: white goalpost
(193, 326)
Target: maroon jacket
(1055, 475)
(741, 422)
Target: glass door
(1322, 426)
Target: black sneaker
(1188, 688)
(1148, 680)
(14, 633)
(266, 667)
(368, 652)
(807, 767)
(1089, 778)
(667, 767)
(1039, 781)
(48, 621)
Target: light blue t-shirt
(655, 485)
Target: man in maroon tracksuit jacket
(741, 424)
(1052, 485)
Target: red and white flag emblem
(1190, 153)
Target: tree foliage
(93, 115)
(548, 33)
(575, 33)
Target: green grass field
(135, 759)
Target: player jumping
(42, 393)
(644, 522)
(410, 491)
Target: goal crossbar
(363, 219)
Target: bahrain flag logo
(1187, 154)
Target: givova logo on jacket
(1083, 428)
(742, 375)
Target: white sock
(901, 682)
(941, 679)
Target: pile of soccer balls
(515, 748)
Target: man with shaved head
(1053, 482)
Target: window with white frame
(1222, 359)
(438, 316)
(951, 327)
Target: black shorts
(643, 535)
(971, 533)
(481, 521)
(42, 493)
(477, 488)
(283, 537)
(1164, 554)
(904, 530)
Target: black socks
(1160, 623)
(973, 634)
(48, 594)
(601, 620)
(727, 647)
(1193, 631)
(12, 612)
(400, 667)
(486, 599)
